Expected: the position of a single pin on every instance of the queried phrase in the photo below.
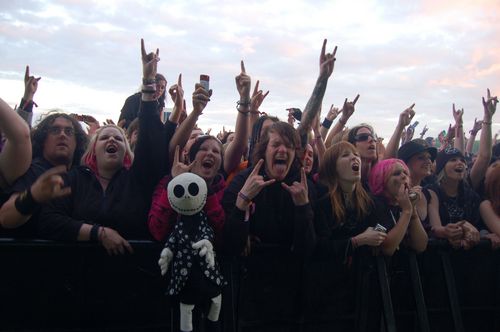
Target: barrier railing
(48, 286)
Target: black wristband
(243, 103)
(25, 204)
(94, 233)
(327, 123)
(147, 81)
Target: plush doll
(194, 274)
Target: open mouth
(355, 167)
(111, 149)
(208, 163)
(459, 170)
(372, 147)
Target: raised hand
(326, 61)
(149, 62)
(298, 190)
(258, 97)
(255, 182)
(490, 106)
(201, 97)
(50, 185)
(424, 130)
(333, 113)
(165, 259)
(30, 85)
(243, 84)
(179, 167)
(477, 127)
(177, 93)
(406, 116)
(348, 109)
(457, 115)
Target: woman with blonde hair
(111, 194)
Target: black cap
(411, 148)
(444, 156)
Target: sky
(393, 53)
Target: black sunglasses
(364, 137)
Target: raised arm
(201, 97)
(255, 102)
(347, 111)
(25, 109)
(15, 157)
(313, 106)
(327, 122)
(459, 129)
(392, 147)
(236, 148)
(483, 158)
(472, 138)
(149, 155)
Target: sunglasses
(56, 130)
(364, 137)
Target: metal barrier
(48, 286)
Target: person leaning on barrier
(343, 220)
(271, 202)
(111, 194)
(396, 206)
(454, 206)
(58, 144)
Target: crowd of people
(318, 189)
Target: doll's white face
(187, 193)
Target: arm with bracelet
(479, 168)
(236, 148)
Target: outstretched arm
(25, 109)
(313, 107)
(472, 138)
(236, 148)
(483, 158)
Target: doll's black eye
(193, 189)
(178, 191)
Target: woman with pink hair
(396, 206)
(111, 194)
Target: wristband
(244, 197)
(487, 123)
(94, 233)
(148, 81)
(242, 103)
(327, 123)
(25, 204)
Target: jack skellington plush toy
(194, 276)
